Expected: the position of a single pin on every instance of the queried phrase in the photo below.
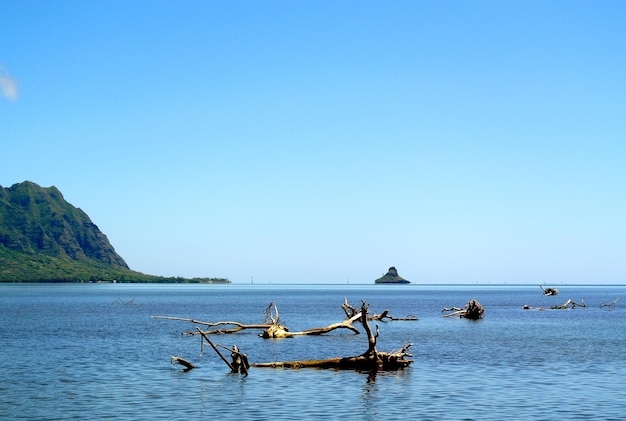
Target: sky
(312, 142)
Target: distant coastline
(157, 280)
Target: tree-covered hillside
(44, 238)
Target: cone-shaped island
(391, 277)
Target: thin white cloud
(8, 85)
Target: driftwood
(272, 326)
(217, 351)
(549, 291)
(569, 304)
(126, 303)
(370, 360)
(276, 330)
(236, 325)
(239, 363)
(353, 311)
(178, 360)
(611, 304)
(528, 307)
(473, 310)
(566, 305)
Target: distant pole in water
(252, 279)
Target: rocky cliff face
(37, 220)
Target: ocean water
(76, 351)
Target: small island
(391, 277)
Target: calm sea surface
(76, 351)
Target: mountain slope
(44, 238)
(36, 220)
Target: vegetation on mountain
(391, 277)
(43, 238)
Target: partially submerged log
(611, 304)
(386, 316)
(549, 291)
(352, 311)
(236, 325)
(569, 304)
(178, 360)
(125, 303)
(239, 362)
(370, 360)
(386, 361)
(473, 310)
(276, 330)
(272, 328)
(528, 307)
(456, 310)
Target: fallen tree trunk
(239, 362)
(611, 304)
(352, 311)
(272, 327)
(569, 304)
(473, 310)
(237, 326)
(178, 360)
(386, 361)
(278, 331)
(549, 291)
(386, 316)
(370, 360)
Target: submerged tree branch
(473, 310)
(610, 304)
(272, 327)
(569, 304)
(370, 360)
(549, 291)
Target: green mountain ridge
(43, 238)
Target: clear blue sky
(325, 141)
